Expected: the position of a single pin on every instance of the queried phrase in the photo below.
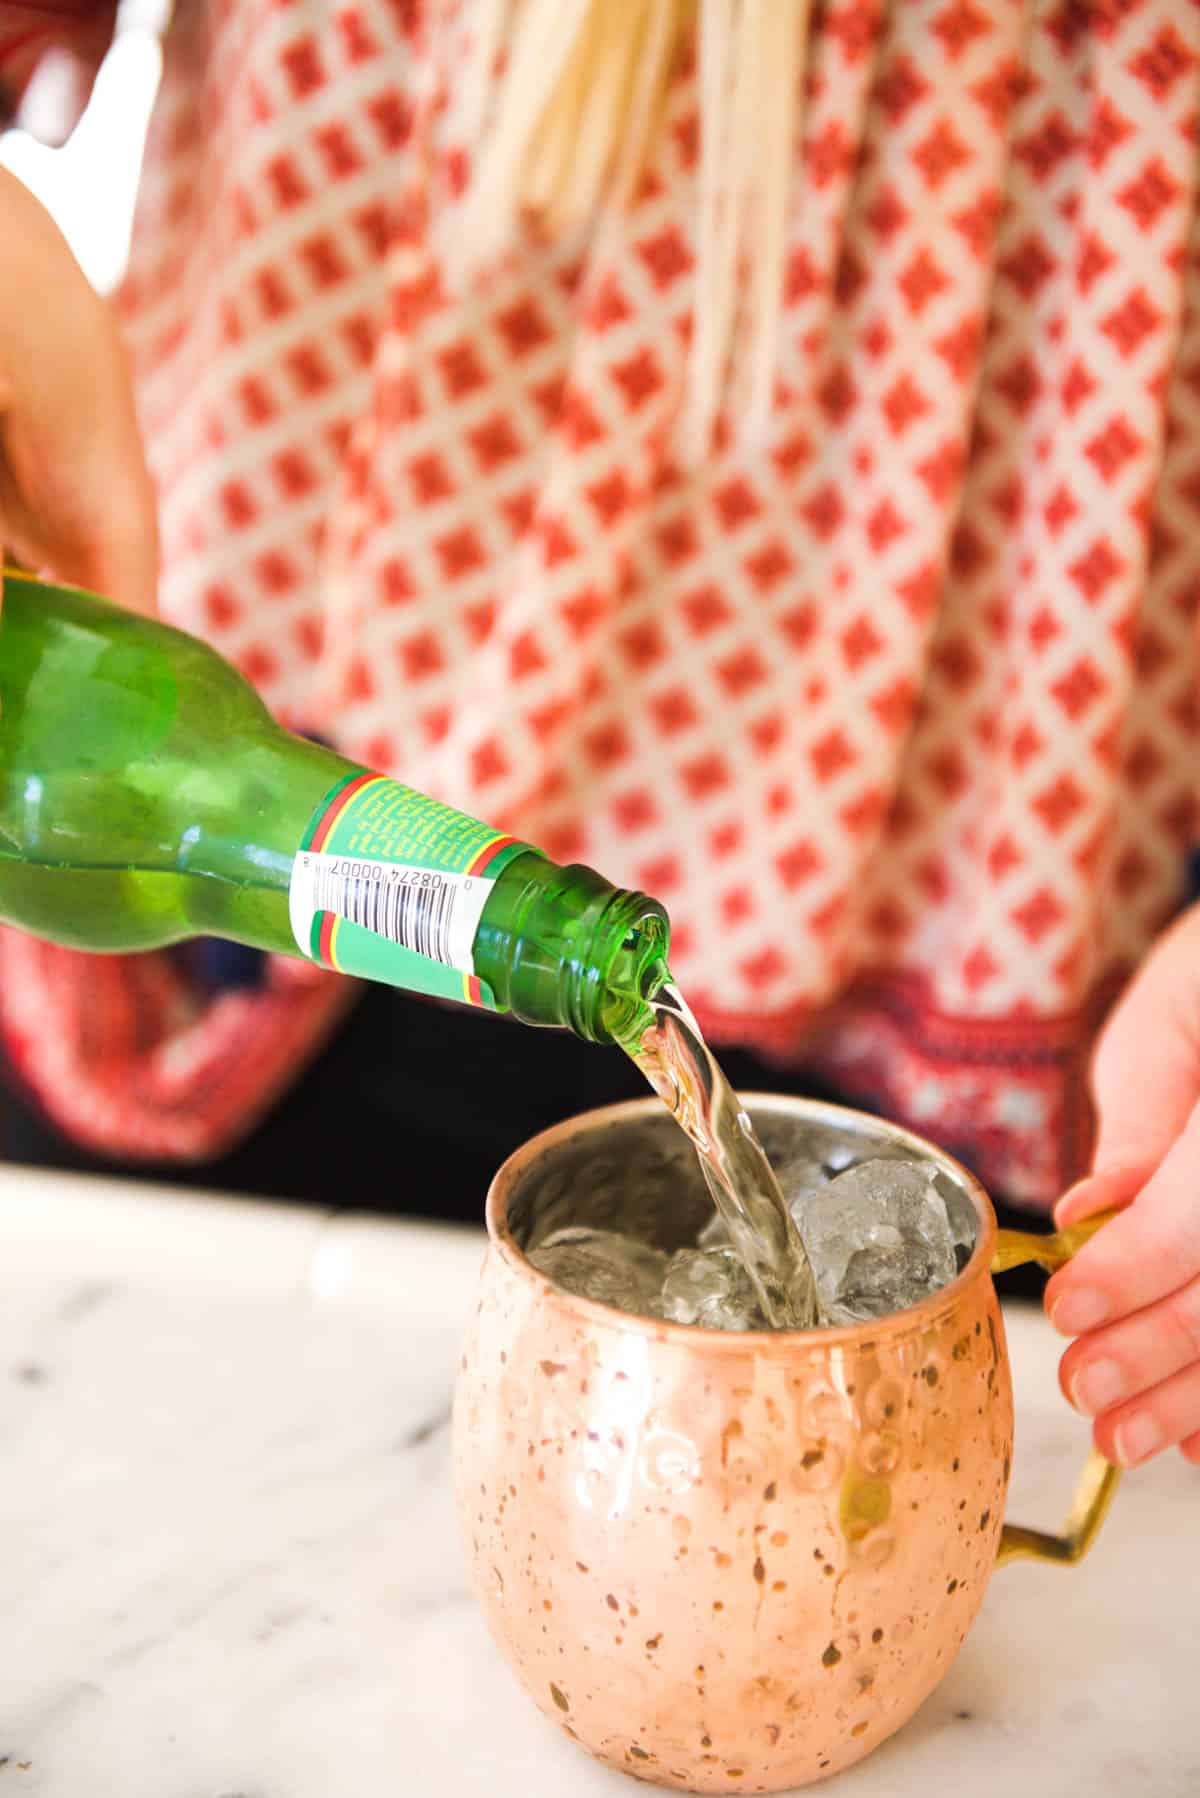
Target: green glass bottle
(146, 796)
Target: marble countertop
(229, 1565)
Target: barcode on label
(428, 911)
(409, 906)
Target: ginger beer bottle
(146, 796)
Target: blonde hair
(567, 128)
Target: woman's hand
(1132, 1295)
(76, 499)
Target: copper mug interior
(719, 1561)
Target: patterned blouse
(895, 709)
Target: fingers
(1167, 1414)
(1109, 1191)
(1146, 1075)
(76, 499)
(115, 555)
(1150, 1250)
(1114, 1375)
(1132, 1294)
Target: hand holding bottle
(76, 498)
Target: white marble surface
(229, 1566)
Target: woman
(751, 450)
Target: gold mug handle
(1098, 1481)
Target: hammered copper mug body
(730, 1562)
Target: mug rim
(912, 1318)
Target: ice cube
(852, 1151)
(879, 1239)
(710, 1287)
(800, 1176)
(603, 1265)
(964, 1226)
(714, 1234)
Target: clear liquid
(680, 1066)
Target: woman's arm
(76, 499)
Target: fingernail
(1079, 1310)
(1087, 1180)
(1138, 1439)
(1096, 1386)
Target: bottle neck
(608, 987)
(562, 946)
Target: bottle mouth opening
(635, 973)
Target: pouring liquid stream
(673, 1055)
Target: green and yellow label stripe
(490, 851)
(350, 789)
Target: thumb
(1146, 1075)
(76, 499)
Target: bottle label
(390, 885)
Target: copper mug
(733, 1562)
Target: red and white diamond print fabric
(896, 710)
